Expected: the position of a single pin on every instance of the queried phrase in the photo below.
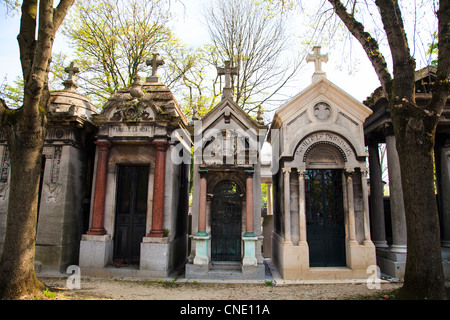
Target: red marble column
(98, 214)
(158, 189)
(249, 204)
(202, 204)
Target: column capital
(249, 172)
(160, 145)
(301, 172)
(388, 129)
(364, 172)
(349, 172)
(286, 170)
(372, 142)
(103, 145)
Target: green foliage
(112, 40)
(48, 293)
(263, 195)
(433, 50)
(12, 93)
(12, 6)
(189, 73)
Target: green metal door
(226, 222)
(325, 218)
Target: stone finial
(195, 115)
(155, 63)
(228, 71)
(136, 88)
(259, 116)
(69, 83)
(317, 58)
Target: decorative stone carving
(322, 111)
(53, 186)
(4, 167)
(4, 173)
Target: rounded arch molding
(218, 177)
(331, 146)
(324, 154)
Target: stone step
(225, 265)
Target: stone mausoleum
(321, 209)
(140, 190)
(116, 198)
(226, 209)
(387, 213)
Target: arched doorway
(226, 211)
(325, 221)
(325, 217)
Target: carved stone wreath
(134, 112)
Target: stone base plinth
(201, 250)
(155, 255)
(95, 251)
(391, 263)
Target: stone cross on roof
(72, 70)
(155, 63)
(228, 71)
(317, 58)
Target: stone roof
(142, 101)
(72, 103)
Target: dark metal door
(325, 218)
(226, 222)
(131, 213)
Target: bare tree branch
(253, 39)
(61, 12)
(441, 88)
(369, 44)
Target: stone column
(396, 197)
(376, 198)
(351, 207)
(365, 195)
(202, 237)
(302, 206)
(287, 206)
(249, 204)
(98, 214)
(158, 190)
(202, 204)
(249, 237)
(269, 199)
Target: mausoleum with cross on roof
(139, 190)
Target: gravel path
(96, 288)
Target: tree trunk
(414, 129)
(24, 130)
(17, 277)
(424, 277)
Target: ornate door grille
(226, 222)
(325, 218)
